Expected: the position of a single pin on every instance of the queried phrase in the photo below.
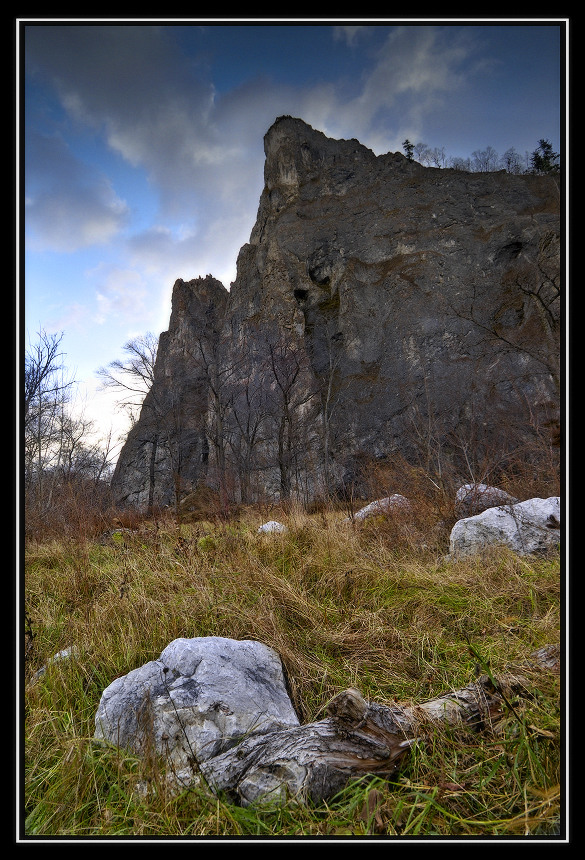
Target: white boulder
(272, 527)
(382, 507)
(527, 528)
(198, 699)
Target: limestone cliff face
(378, 303)
(167, 449)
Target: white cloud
(121, 293)
(351, 33)
(74, 315)
(132, 86)
(414, 70)
(156, 108)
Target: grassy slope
(375, 607)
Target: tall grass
(376, 607)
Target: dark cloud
(143, 93)
(69, 204)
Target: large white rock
(530, 527)
(201, 697)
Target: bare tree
(65, 464)
(246, 424)
(43, 374)
(423, 153)
(538, 282)
(291, 389)
(216, 379)
(165, 433)
(333, 391)
(133, 377)
(485, 160)
(511, 161)
(438, 157)
(47, 390)
(459, 163)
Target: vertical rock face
(376, 301)
(167, 450)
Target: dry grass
(376, 607)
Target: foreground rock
(527, 528)
(357, 739)
(217, 709)
(199, 698)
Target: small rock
(272, 527)
(382, 507)
(65, 654)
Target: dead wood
(356, 739)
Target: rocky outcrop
(379, 305)
(166, 452)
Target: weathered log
(356, 739)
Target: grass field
(377, 607)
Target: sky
(141, 145)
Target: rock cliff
(379, 307)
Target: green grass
(376, 607)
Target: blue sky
(142, 143)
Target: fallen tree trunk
(356, 739)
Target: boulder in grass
(473, 499)
(217, 708)
(382, 507)
(528, 528)
(198, 699)
(272, 527)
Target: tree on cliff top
(408, 149)
(544, 159)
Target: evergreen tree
(408, 149)
(543, 159)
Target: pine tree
(408, 149)
(543, 159)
